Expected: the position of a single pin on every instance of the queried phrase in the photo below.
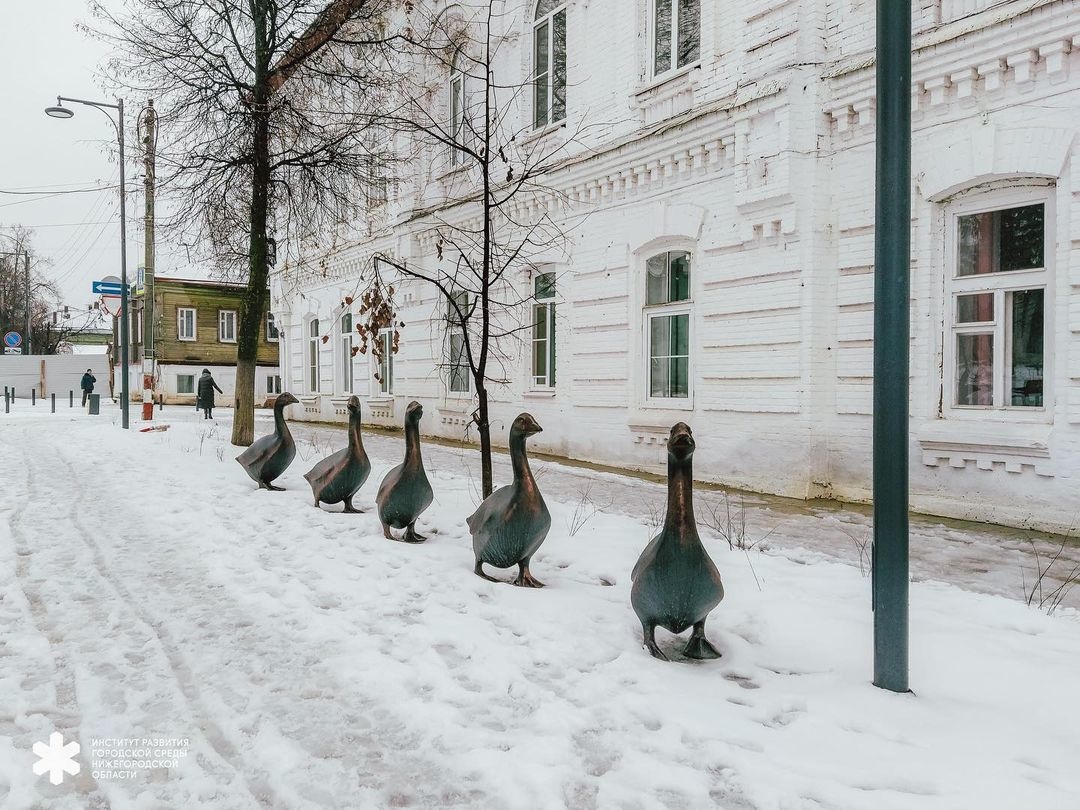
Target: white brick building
(736, 171)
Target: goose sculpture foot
(649, 639)
(698, 646)
(525, 579)
(413, 536)
(350, 509)
(271, 487)
(479, 571)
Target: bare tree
(265, 109)
(499, 214)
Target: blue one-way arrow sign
(106, 288)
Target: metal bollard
(95, 404)
(53, 402)
(33, 396)
(161, 402)
(7, 403)
(71, 399)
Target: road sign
(106, 288)
(10, 350)
(12, 340)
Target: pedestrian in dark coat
(88, 380)
(205, 394)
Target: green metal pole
(892, 268)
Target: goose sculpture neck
(412, 445)
(279, 415)
(679, 521)
(356, 443)
(520, 459)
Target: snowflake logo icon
(56, 758)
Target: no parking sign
(12, 340)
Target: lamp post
(15, 276)
(60, 111)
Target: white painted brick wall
(773, 193)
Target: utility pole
(29, 320)
(149, 122)
(892, 318)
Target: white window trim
(457, 77)
(1005, 282)
(269, 339)
(674, 68)
(185, 393)
(346, 370)
(455, 328)
(549, 301)
(549, 20)
(313, 371)
(386, 386)
(194, 324)
(649, 311)
(222, 320)
(273, 384)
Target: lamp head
(59, 111)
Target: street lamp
(60, 111)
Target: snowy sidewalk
(147, 589)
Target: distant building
(196, 324)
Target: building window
(457, 113)
(676, 34)
(543, 337)
(998, 308)
(549, 62)
(458, 365)
(667, 324)
(347, 353)
(185, 383)
(185, 324)
(273, 384)
(386, 362)
(313, 355)
(272, 333)
(227, 326)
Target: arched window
(667, 324)
(456, 107)
(676, 35)
(347, 353)
(313, 356)
(549, 62)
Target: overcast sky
(42, 54)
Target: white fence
(52, 374)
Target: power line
(55, 193)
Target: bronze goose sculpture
(675, 582)
(512, 522)
(268, 456)
(405, 492)
(339, 476)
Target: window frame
(456, 92)
(548, 302)
(385, 366)
(346, 342)
(547, 20)
(273, 384)
(313, 361)
(457, 369)
(185, 393)
(674, 67)
(222, 320)
(194, 336)
(683, 306)
(1002, 285)
(271, 323)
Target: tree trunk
(483, 427)
(253, 304)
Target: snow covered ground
(299, 660)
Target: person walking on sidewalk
(205, 394)
(88, 380)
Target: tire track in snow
(66, 716)
(179, 671)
